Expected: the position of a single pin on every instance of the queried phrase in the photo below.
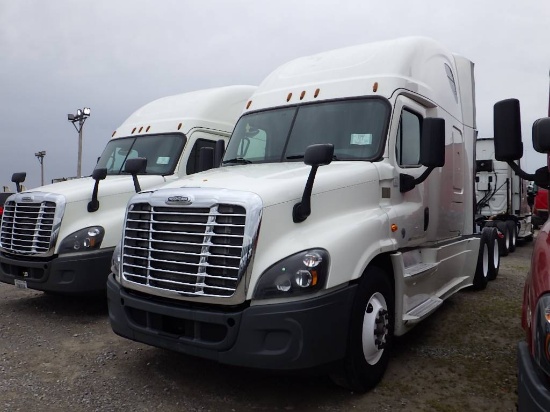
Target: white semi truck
(342, 215)
(501, 197)
(60, 238)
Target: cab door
(411, 208)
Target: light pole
(80, 117)
(40, 156)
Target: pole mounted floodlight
(78, 120)
(40, 156)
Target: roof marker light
(316, 93)
(148, 127)
(302, 94)
(140, 129)
(113, 135)
(248, 104)
(133, 130)
(289, 97)
(179, 126)
(375, 87)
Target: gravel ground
(60, 354)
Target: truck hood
(281, 182)
(81, 189)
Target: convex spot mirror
(541, 135)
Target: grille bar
(30, 223)
(193, 251)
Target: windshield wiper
(292, 157)
(237, 161)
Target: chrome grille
(28, 227)
(192, 251)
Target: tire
(370, 333)
(494, 253)
(504, 241)
(481, 276)
(513, 231)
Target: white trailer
(60, 238)
(501, 197)
(342, 215)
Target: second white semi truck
(342, 215)
(59, 238)
(502, 198)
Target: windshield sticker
(361, 139)
(163, 160)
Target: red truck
(540, 209)
(534, 351)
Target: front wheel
(370, 334)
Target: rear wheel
(494, 253)
(481, 276)
(370, 334)
(513, 231)
(504, 241)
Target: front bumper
(284, 336)
(84, 273)
(533, 390)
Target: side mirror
(135, 166)
(319, 154)
(541, 135)
(206, 159)
(507, 130)
(316, 155)
(432, 152)
(432, 144)
(97, 175)
(18, 178)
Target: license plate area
(20, 284)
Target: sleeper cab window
(407, 147)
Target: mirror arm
(407, 182)
(93, 205)
(136, 183)
(302, 209)
(524, 175)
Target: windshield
(162, 152)
(356, 128)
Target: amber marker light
(148, 127)
(179, 126)
(289, 97)
(394, 227)
(133, 130)
(302, 94)
(248, 104)
(140, 129)
(113, 135)
(316, 93)
(375, 87)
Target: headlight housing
(83, 240)
(302, 273)
(541, 333)
(116, 261)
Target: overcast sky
(114, 56)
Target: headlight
(115, 262)
(82, 240)
(541, 338)
(296, 275)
